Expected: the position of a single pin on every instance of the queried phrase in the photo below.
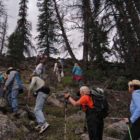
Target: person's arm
(39, 68)
(136, 114)
(71, 100)
(32, 84)
(10, 79)
(55, 66)
(73, 70)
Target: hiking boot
(43, 128)
(38, 126)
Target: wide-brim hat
(9, 69)
(134, 82)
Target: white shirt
(36, 83)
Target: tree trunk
(137, 5)
(131, 9)
(87, 19)
(64, 32)
(3, 34)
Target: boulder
(3, 102)
(84, 137)
(54, 101)
(7, 127)
(116, 130)
(79, 131)
(109, 138)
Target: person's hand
(66, 95)
(4, 88)
(126, 120)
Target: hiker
(134, 89)
(40, 68)
(95, 123)
(58, 70)
(77, 74)
(37, 85)
(61, 61)
(12, 85)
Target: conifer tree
(23, 29)
(14, 50)
(47, 27)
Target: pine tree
(23, 29)
(47, 27)
(14, 51)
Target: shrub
(120, 83)
(95, 74)
(67, 81)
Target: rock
(84, 136)
(7, 127)
(79, 131)
(23, 114)
(3, 102)
(116, 130)
(54, 101)
(24, 129)
(109, 138)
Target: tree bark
(3, 34)
(87, 16)
(133, 13)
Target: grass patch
(67, 81)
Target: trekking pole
(129, 131)
(65, 117)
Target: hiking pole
(65, 118)
(129, 131)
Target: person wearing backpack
(95, 122)
(58, 70)
(40, 69)
(41, 92)
(12, 85)
(134, 121)
(77, 73)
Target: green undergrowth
(56, 118)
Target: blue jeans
(12, 99)
(40, 100)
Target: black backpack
(101, 107)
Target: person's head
(9, 70)
(133, 85)
(84, 90)
(75, 64)
(43, 61)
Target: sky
(12, 7)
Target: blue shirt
(77, 71)
(135, 106)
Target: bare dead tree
(3, 34)
(64, 32)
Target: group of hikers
(92, 101)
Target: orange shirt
(86, 100)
